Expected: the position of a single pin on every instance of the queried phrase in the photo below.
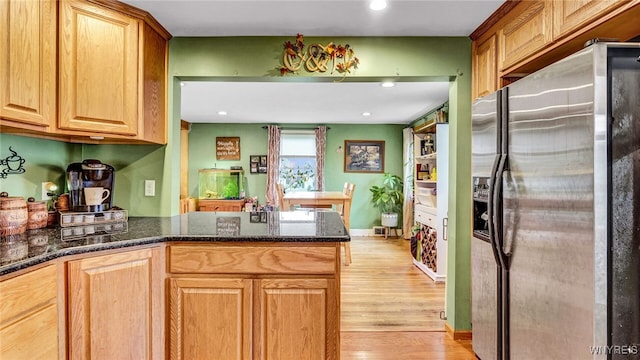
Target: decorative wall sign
(227, 148)
(317, 57)
(12, 164)
(364, 156)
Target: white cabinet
(431, 201)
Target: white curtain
(408, 161)
(321, 145)
(273, 164)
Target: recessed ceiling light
(222, 112)
(377, 4)
(388, 84)
(366, 113)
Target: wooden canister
(38, 214)
(13, 215)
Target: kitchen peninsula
(202, 284)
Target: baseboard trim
(458, 334)
(368, 232)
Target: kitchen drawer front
(426, 218)
(250, 259)
(28, 293)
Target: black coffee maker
(89, 173)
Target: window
(298, 160)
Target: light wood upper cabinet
(533, 34)
(115, 306)
(571, 15)
(153, 87)
(28, 62)
(81, 71)
(29, 324)
(525, 33)
(485, 67)
(98, 69)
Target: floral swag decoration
(317, 58)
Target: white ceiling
(318, 103)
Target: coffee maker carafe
(90, 185)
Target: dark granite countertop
(37, 246)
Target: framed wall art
(258, 164)
(263, 164)
(364, 156)
(254, 162)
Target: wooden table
(319, 198)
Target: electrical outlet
(44, 196)
(48, 187)
(149, 188)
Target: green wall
(47, 160)
(399, 59)
(257, 59)
(253, 141)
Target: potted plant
(388, 199)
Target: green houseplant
(388, 198)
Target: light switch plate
(149, 188)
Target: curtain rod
(295, 128)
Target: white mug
(95, 195)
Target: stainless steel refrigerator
(556, 242)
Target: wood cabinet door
(28, 62)
(29, 315)
(98, 70)
(154, 84)
(210, 318)
(112, 312)
(529, 31)
(485, 67)
(297, 319)
(569, 16)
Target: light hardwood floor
(390, 309)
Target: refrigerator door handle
(497, 212)
(491, 210)
(508, 236)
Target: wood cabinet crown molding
(136, 13)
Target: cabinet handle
(445, 225)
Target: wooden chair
(187, 204)
(348, 189)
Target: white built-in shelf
(439, 278)
(431, 156)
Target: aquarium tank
(220, 184)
